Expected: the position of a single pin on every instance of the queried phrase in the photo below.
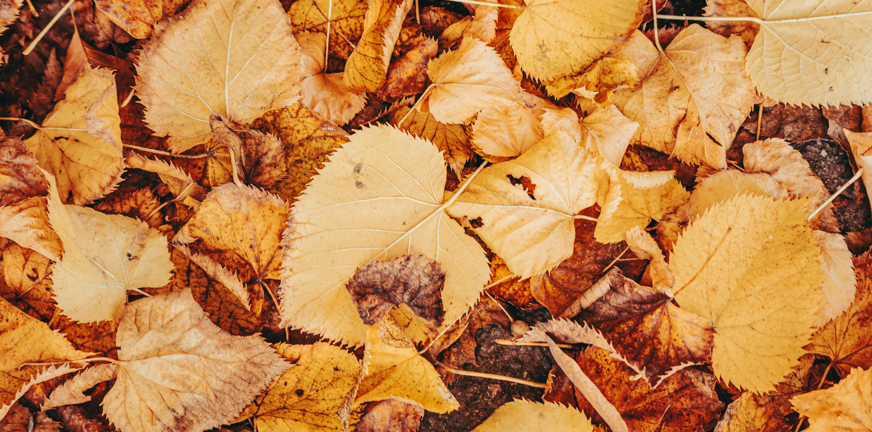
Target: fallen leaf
(308, 139)
(71, 392)
(19, 177)
(842, 407)
(467, 80)
(390, 415)
(19, 417)
(820, 39)
(363, 181)
(138, 16)
(840, 285)
(327, 94)
(598, 81)
(842, 340)
(507, 287)
(394, 369)
(26, 223)
(527, 206)
(26, 283)
(165, 343)
(697, 118)
(553, 39)
(627, 207)
(260, 158)
(91, 280)
(535, 417)
(746, 30)
(140, 204)
(506, 131)
(407, 75)
(15, 383)
(861, 149)
(79, 142)
(346, 21)
(367, 66)
(685, 401)
(762, 301)
(609, 132)
(8, 15)
(195, 65)
(222, 275)
(309, 394)
(177, 180)
(451, 139)
(413, 280)
(644, 247)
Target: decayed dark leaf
(260, 158)
(25, 282)
(19, 176)
(647, 329)
(391, 415)
(407, 75)
(411, 279)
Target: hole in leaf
(525, 183)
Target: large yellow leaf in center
(379, 197)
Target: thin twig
(587, 218)
(29, 122)
(656, 30)
(497, 282)
(47, 28)
(838, 192)
(535, 344)
(759, 121)
(163, 153)
(327, 44)
(729, 19)
(128, 98)
(511, 318)
(617, 258)
(32, 9)
(493, 377)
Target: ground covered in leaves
(389, 215)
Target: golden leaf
(373, 202)
(840, 285)
(843, 407)
(394, 369)
(15, 383)
(751, 267)
(527, 205)
(599, 80)
(467, 80)
(179, 372)
(79, 142)
(219, 273)
(104, 256)
(556, 38)
(451, 139)
(609, 132)
(535, 417)
(26, 281)
(367, 66)
(505, 131)
(816, 53)
(627, 206)
(137, 16)
(694, 100)
(196, 65)
(346, 21)
(327, 94)
(307, 396)
(177, 180)
(26, 223)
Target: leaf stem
(480, 3)
(493, 377)
(838, 192)
(587, 218)
(47, 28)
(327, 44)
(535, 344)
(29, 122)
(163, 153)
(656, 30)
(728, 19)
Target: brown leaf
(26, 223)
(72, 391)
(140, 204)
(512, 289)
(367, 66)
(26, 283)
(844, 407)
(177, 180)
(686, 401)
(413, 280)
(260, 158)
(648, 330)
(19, 417)
(346, 21)
(407, 75)
(217, 272)
(486, 312)
(327, 94)
(138, 16)
(391, 415)
(19, 177)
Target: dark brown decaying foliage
(412, 280)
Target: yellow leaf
(346, 21)
(179, 372)
(367, 66)
(751, 267)
(237, 58)
(80, 141)
(327, 94)
(379, 197)
(137, 16)
(814, 53)
(535, 417)
(307, 396)
(556, 38)
(843, 407)
(394, 369)
(104, 256)
(600, 79)
(861, 148)
(527, 205)
(630, 207)
(24, 339)
(26, 281)
(840, 285)
(609, 132)
(467, 80)
(452, 140)
(506, 131)
(694, 100)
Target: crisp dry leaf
(636, 207)
(750, 266)
(413, 280)
(330, 96)
(71, 392)
(535, 417)
(844, 340)
(407, 75)
(644, 246)
(104, 256)
(647, 330)
(845, 406)
(16, 382)
(79, 142)
(816, 53)
(511, 289)
(604, 76)
(505, 131)
(840, 285)
(180, 372)
(26, 223)
(177, 180)
(24, 339)
(556, 38)
(240, 226)
(25, 282)
(566, 331)
(196, 65)
(484, 23)
(379, 197)
(308, 139)
(367, 66)
(527, 205)
(219, 273)
(394, 369)
(562, 119)
(346, 21)
(608, 131)
(861, 148)
(138, 203)
(19, 177)
(260, 158)
(467, 80)
(451, 139)
(694, 100)
(746, 30)
(307, 396)
(8, 15)
(138, 16)
(390, 415)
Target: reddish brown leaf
(413, 280)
